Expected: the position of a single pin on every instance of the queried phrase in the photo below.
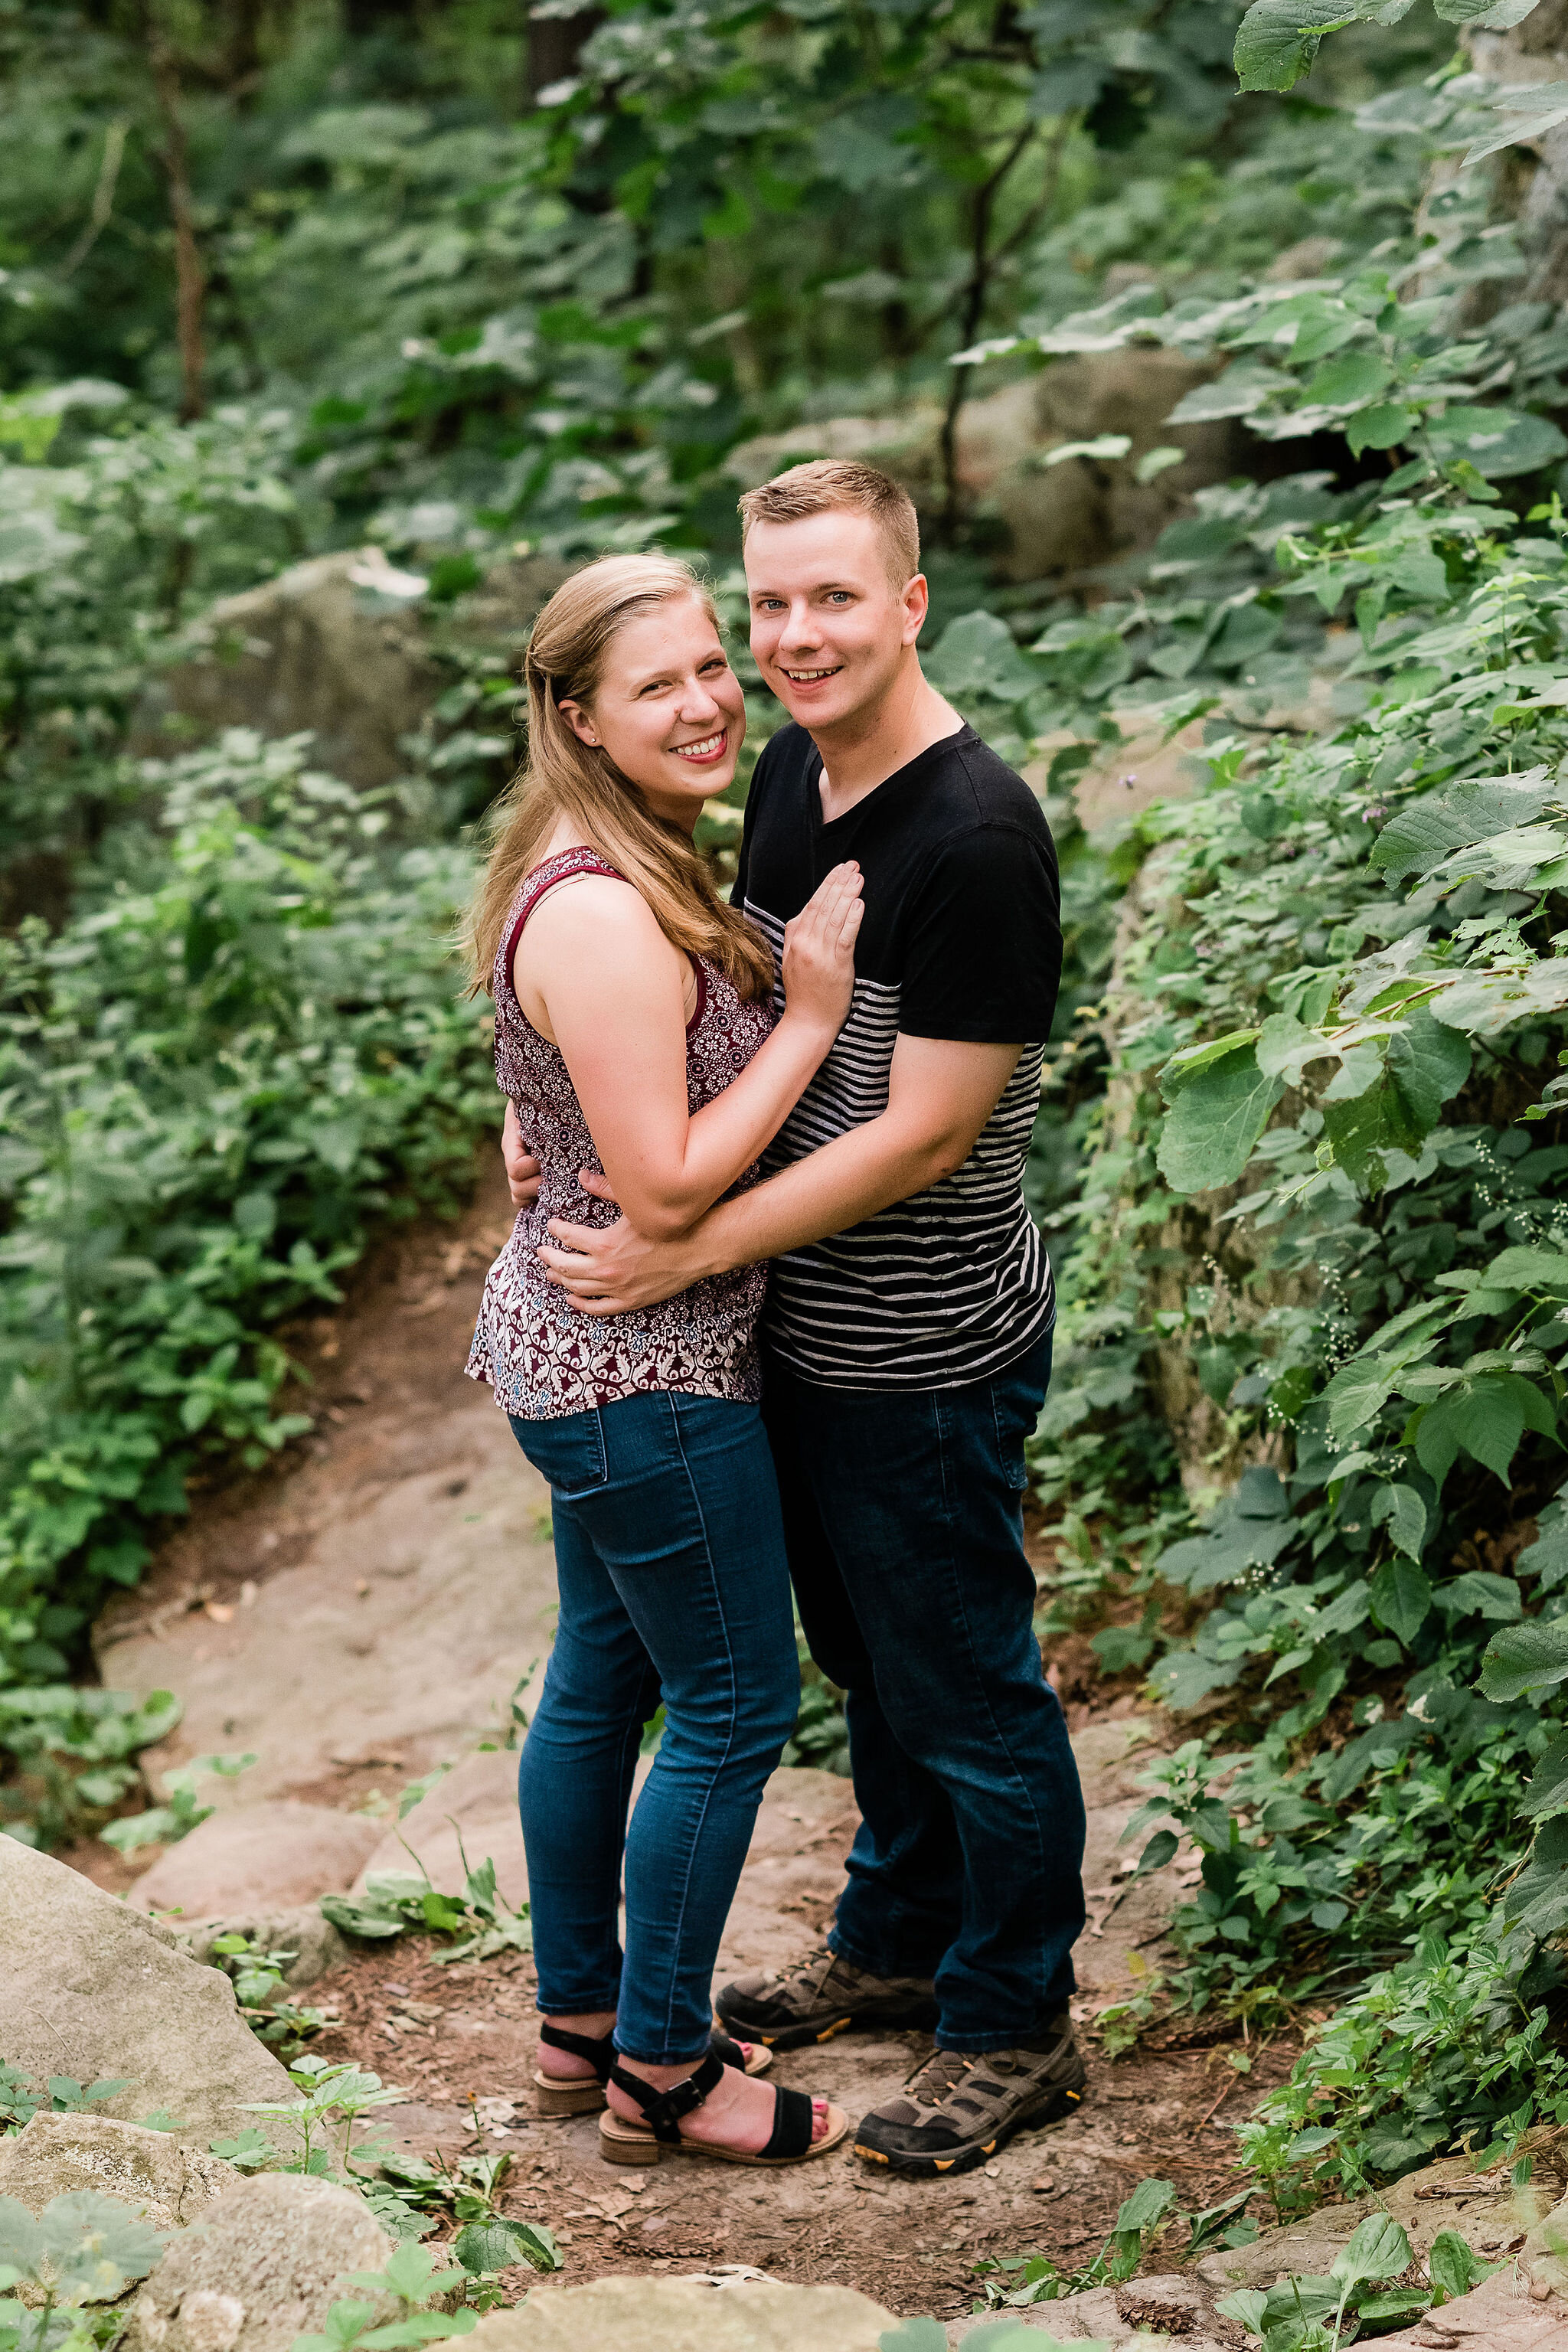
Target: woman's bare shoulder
(593, 907)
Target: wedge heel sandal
(584, 2096)
(658, 2134)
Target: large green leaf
(1530, 1656)
(1356, 1395)
(1529, 1269)
(1454, 2267)
(978, 654)
(1401, 1509)
(1364, 1126)
(1548, 1792)
(1194, 1060)
(1209, 1132)
(1538, 1899)
(1378, 2248)
(1430, 1064)
(1278, 39)
(1498, 442)
(1477, 1593)
(1353, 377)
(1149, 2202)
(1485, 15)
(1486, 1418)
(1431, 828)
(1401, 1598)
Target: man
(907, 1335)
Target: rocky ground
(374, 1611)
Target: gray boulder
(319, 647)
(1069, 517)
(89, 1988)
(274, 1856)
(670, 2315)
(316, 1945)
(338, 646)
(263, 2268)
(56, 2154)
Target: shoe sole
(623, 2142)
(919, 2015)
(967, 2155)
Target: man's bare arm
(940, 1093)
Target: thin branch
(982, 261)
(1065, 126)
(114, 139)
(190, 284)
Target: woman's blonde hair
(563, 777)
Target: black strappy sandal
(658, 2134)
(581, 2096)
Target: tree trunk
(190, 284)
(554, 44)
(1532, 180)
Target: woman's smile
(708, 750)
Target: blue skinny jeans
(670, 1560)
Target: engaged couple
(774, 1314)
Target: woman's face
(669, 709)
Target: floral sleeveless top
(540, 1355)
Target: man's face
(829, 629)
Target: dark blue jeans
(669, 1554)
(904, 1521)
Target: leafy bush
(215, 1076)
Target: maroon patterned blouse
(542, 1357)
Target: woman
(635, 1036)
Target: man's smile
(809, 677)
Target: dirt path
(451, 2035)
(368, 1611)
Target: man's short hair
(827, 484)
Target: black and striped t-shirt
(962, 940)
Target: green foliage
(1360, 2291)
(20, 2099)
(214, 1077)
(81, 2249)
(326, 2115)
(167, 1824)
(1308, 1165)
(71, 1749)
(416, 2279)
(1018, 2282)
(396, 1901)
(258, 1978)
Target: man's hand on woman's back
(522, 1168)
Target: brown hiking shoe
(958, 2109)
(818, 1997)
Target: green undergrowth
(1322, 1240)
(243, 1050)
(85, 2249)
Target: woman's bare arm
(611, 986)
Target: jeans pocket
(1016, 1396)
(568, 1451)
(1010, 1434)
